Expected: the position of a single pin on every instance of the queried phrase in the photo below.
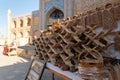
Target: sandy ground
(14, 68)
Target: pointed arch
(53, 10)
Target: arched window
(57, 14)
(21, 23)
(28, 22)
(15, 24)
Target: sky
(17, 7)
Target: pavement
(12, 67)
(15, 68)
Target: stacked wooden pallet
(71, 46)
(75, 42)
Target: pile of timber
(81, 43)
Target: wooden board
(36, 70)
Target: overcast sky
(17, 7)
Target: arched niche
(21, 35)
(14, 24)
(21, 23)
(56, 14)
(28, 22)
(53, 15)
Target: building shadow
(16, 71)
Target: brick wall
(84, 5)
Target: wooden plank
(35, 70)
(61, 75)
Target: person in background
(6, 49)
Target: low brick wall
(25, 53)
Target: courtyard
(12, 67)
(15, 68)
